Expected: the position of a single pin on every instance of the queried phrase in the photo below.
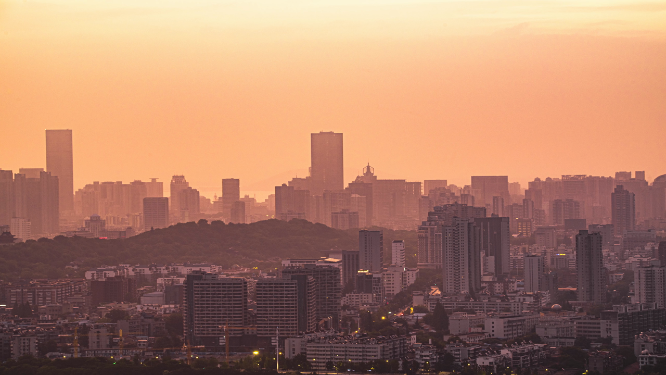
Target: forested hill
(262, 244)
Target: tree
(582, 342)
(116, 314)
(330, 366)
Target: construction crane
(227, 327)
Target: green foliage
(582, 342)
(116, 314)
(572, 357)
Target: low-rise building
(354, 350)
(510, 326)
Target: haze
(421, 90)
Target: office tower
(533, 271)
(398, 253)
(211, 303)
(137, 191)
(189, 204)
(430, 231)
(155, 213)
(21, 229)
(31, 172)
(350, 264)
(461, 259)
(429, 185)
(536, 196)
(344, 220)
(334, 201)
(178, 183)
(650, 283)
(230, 194)
(60, 163)
(495, 242)
(607, 233)
(484, 188)
(371, 250)
(326, 170)
(328, 288)
(288, 304)
(565, 209)
(623, 210)
(37, 199)
(371, 283)
(6, 197)
(291, 203)
(154, 188)
(238, 213)
(357, 204)
(590, 267)
(498, 206)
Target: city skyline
(509, 88)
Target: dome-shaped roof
(661, 178)
(556, 307)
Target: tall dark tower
(60, 163)
(623, 209)
(326, 170)
(590, 266)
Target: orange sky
(420, 89)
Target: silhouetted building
(371, 250)
(6, 197)
(288, 304)
(326, 170)
(623, 210)
(95, 225)
(328, 289)
(661, 253)
(37, 199)
(350, 264)
(291, 203)
(60, 163)
(484, 188)
(155, 213)
(344, 220)
(607, 233)
(495, 242)
(113, 289)
(211, 303)
(230, 194)
(590, 267)
(461, 260)
(154, 188)
(21, 228)
(565, 209)
(178, 183)
(238, 212)
(533, 273)
(189, 202)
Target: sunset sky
(420, 89)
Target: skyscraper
(326, 169)
(623, 210)
(154, 188)
(650, 285)
(590, 266)
(398, 253)
(230, 194)
(370, 250)
(60, 163)
(6, 197)
(287, 304)
(484, 188)
(461, 257)
(178, 183)
(495, 242)
(189, 204)
(155, 213)
(533, 272)
(328, 288)
(37, 199)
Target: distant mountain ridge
(263, 244)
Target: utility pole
(277, 349)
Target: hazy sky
(420, 89)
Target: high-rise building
(371, 250)
(429, 185)
(287, 304)
(650, 285)
(213, 302)
(238, 212)
(326, 170)
(328, 288)
(344, 220)
(398, 253)
(533, 272)
(21, 229)
(368, 282)
(461, 259)
(495, 242)
(37, 199)
(178, 183)
(189, 204)
(484, 188)
(154, 188)
(590, 267)
(607, 233)
(230, 194)
(430, 231)
(350, 264)
(623, 210)
(498, 206)
(661, 253)
(60, 163)
(6, 197)
(291, 203)
(155, 213)
(565, 209)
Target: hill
(262, 244)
